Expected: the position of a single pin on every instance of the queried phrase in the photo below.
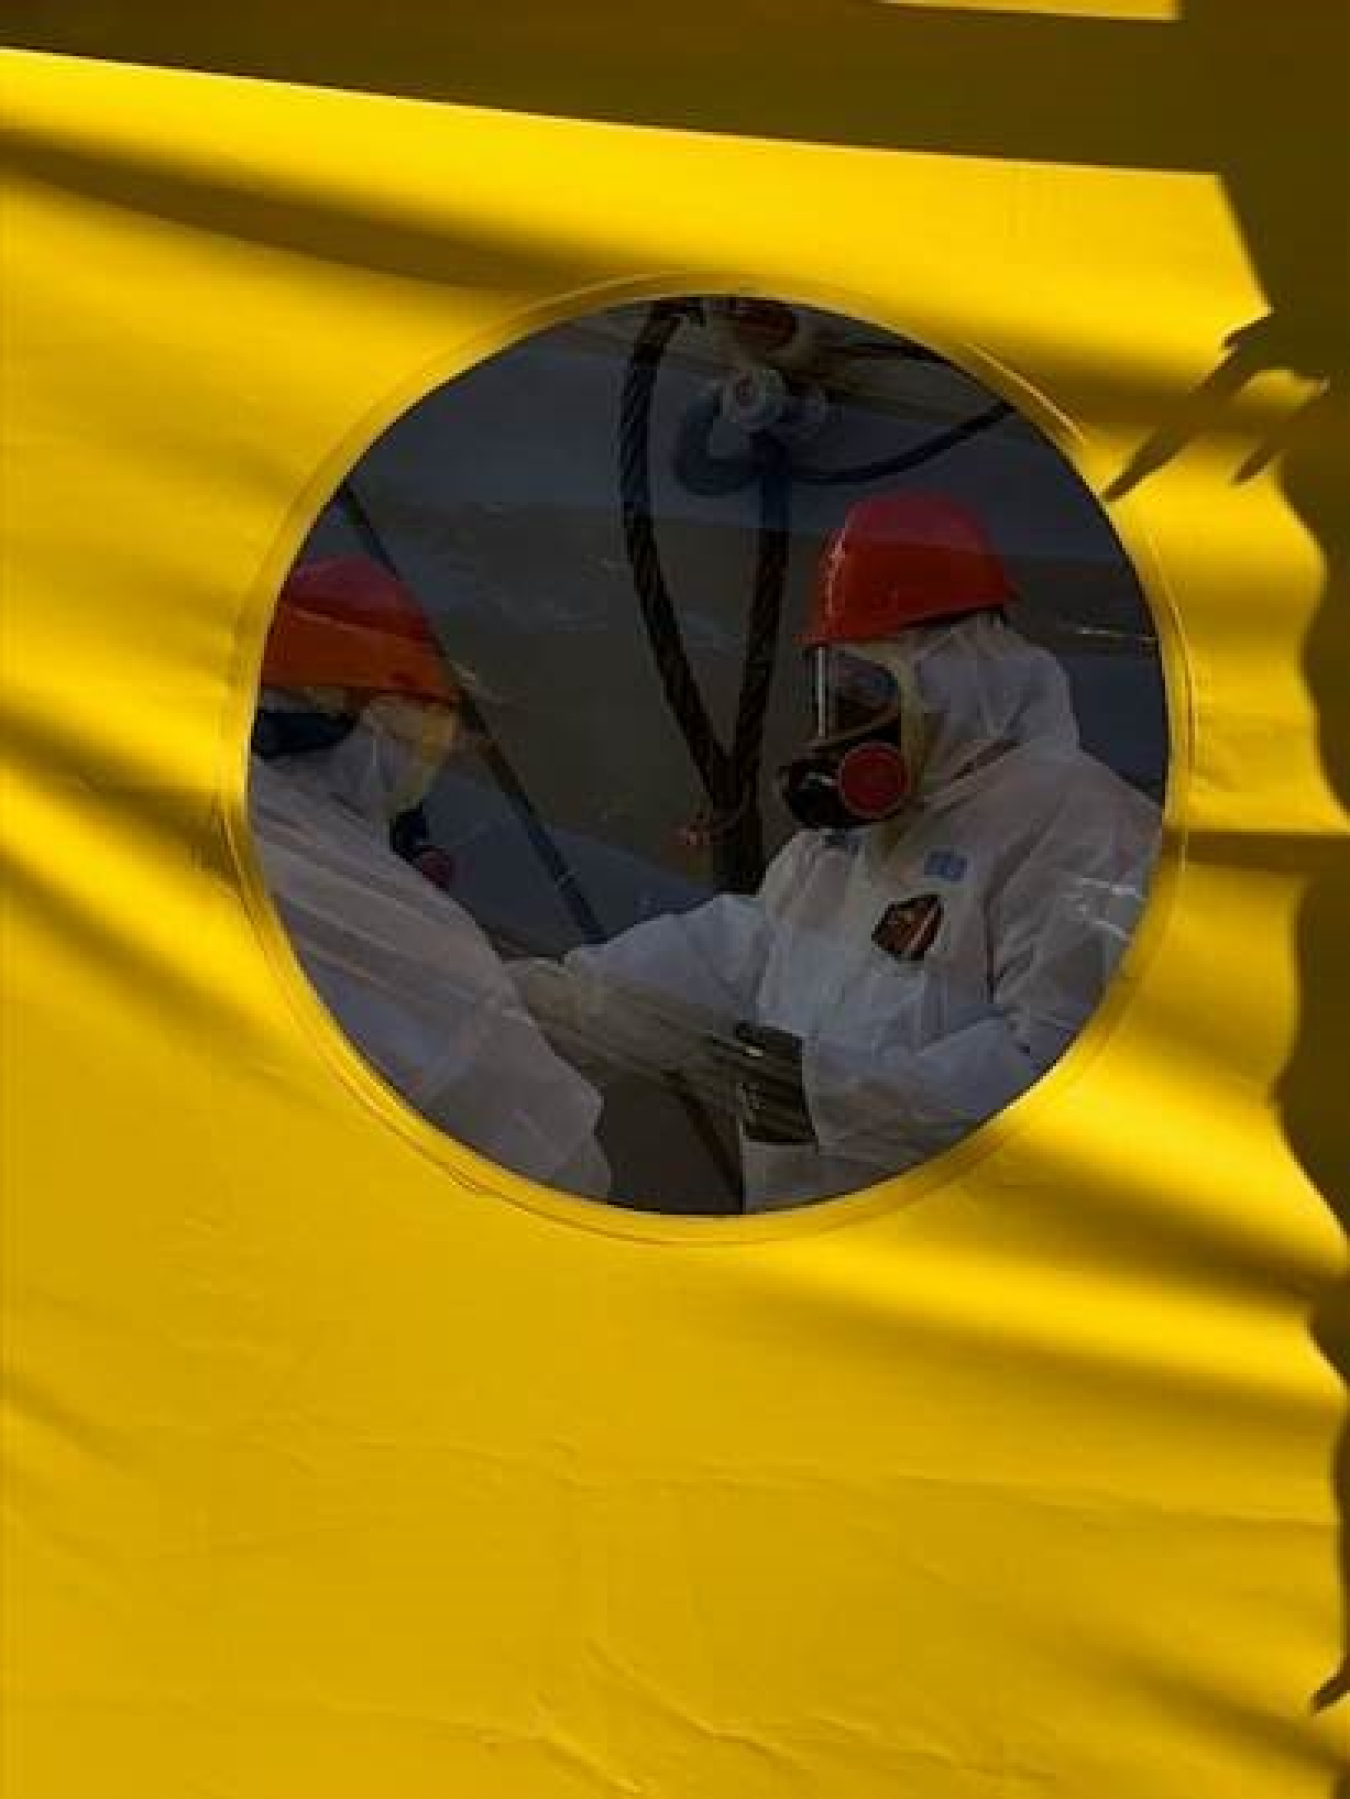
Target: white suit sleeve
(1058, 929)
(414, 983)
(898, 1106)
(651, 998)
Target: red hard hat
(902, 559)
(347, 622)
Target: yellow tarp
(340, 1464)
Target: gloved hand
(606, 1027)
(764, 1066)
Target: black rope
(732, 827)
(772, 548)
(906, 459)
(639, 534)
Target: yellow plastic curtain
(340, 1463)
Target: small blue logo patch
(945, 865)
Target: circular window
(708, 756)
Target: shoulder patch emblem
(945, 865)
(907, 930)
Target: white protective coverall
(934, 965)
(409, 975)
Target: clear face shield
(855, 771)
(848, 693)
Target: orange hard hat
(902, 559)
(347, 622)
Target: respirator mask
(863, 762)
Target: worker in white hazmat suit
(358, 712)
(943, 927)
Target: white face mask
(389, 761)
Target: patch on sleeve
(907, 930)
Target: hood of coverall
(983, 689)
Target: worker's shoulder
(333, 870)
(1062, 782)
(1079, 817)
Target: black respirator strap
(278, 734)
